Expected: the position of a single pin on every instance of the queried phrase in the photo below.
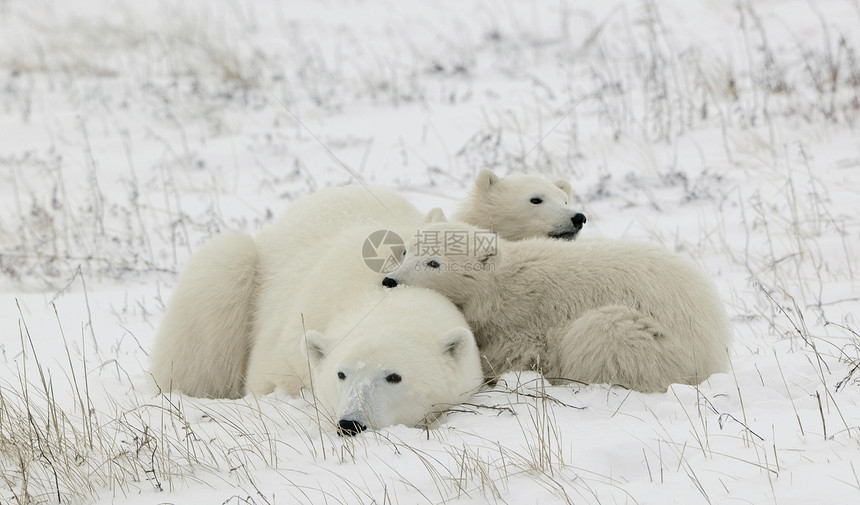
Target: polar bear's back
(292, 245)
(321, 215)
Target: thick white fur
(201, 346)
(290, 246)
(595, 311)
(310, 283)
(504, 206)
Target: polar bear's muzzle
(360, 407)
(352, 412)
(569, 230)
(349, 427)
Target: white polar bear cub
(596, 311)
(521, 206)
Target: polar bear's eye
(536, 201)
(433, 264)
(393, 378)
(341, 376)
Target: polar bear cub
(596, 311)
(521, 206)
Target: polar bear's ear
(564, 186)
(435, 216)
(456, 340)
(485, 180)
(313, 346)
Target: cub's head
(521, 206)
(454, 259)
(403, 358)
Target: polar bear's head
(453, 258)
(521, 206)
(402, 358)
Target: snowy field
(130, 132)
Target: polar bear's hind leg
(202, 344)
(619, 345)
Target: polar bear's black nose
(349, 428)
(578, 220)
(388, 282)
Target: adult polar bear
(596, 311)
(314, 313)
(202, 345)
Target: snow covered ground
(130, 132)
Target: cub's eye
(341, 376)
(536, 201)
(393, 378)
(433, 264)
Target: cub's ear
(485, 180)
(435, 216)
(564, 186)
(313, 346)
(456, 341)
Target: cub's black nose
(388, 282)
(578, 220)
(348, 428)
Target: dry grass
(779, 244)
